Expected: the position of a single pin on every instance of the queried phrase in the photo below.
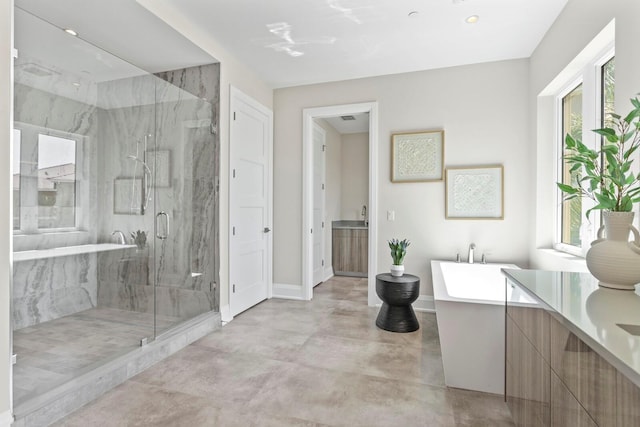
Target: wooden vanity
(350, 248)
(568, 360)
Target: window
(571, 220)
(582, 107)
(56, 182)
(45, 181)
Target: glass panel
(184, 179)
(608, 91)
(56, 182)
(571, 209)
(17, 136)
(72, 104)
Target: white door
(319, 147)
(250, 202)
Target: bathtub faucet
(121, 239)
(471, 249)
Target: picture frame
(474, 192)
(127, 196)
(417, 156)
(160, 168)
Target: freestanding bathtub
(470, 308)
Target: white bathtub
(470, 307)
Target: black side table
(397, 294)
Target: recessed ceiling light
(472, 19)
(76, 84)
(71, 31)
(413, 13)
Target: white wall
(483, 110)
(232, 73)
(6, 200)
(355, 175)
(333, 185)
(575, 28)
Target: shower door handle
(159, 230)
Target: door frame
(308, 116)
(236, 95)
(323, 202)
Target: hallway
(294, 363)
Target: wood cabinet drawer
(590, 378)
(527, 380)
(534, 324)
(565, 409)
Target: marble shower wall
(173, 112)
(183, 267)
(50, 288)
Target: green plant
(139, 238)
(398, 250)
(605, 175)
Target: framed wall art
(474, 192)
(417, 156)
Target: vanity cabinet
(554, 378)
(350, 249)
(528, 375)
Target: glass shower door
(184, 195)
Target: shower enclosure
(115, 205)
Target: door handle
(267, 229)
(159, 235)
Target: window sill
(552, 259)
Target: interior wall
(232, 73)
(6, 199)
(575, 28)
(333, 187)
(355, 175)
(483, 110)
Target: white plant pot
(397, 270)
(612, 258)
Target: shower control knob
(267, 229)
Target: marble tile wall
(136, 116)
(183, 267)
(50, 288)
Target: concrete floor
(293, 363)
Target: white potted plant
(606, 176)
(398, 252)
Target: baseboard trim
(425, 303)
(284, 291)
(225, 314)
(6, 419)
(328, 273)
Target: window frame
(29, 222)
(590, 76)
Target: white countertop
(592, 313)
(67, 250)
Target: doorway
(309, 117)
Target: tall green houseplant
(605, 175)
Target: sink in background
(349, 223)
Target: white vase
(397, 270)
(612, 258)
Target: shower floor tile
(54, 352)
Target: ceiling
(295, 42)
